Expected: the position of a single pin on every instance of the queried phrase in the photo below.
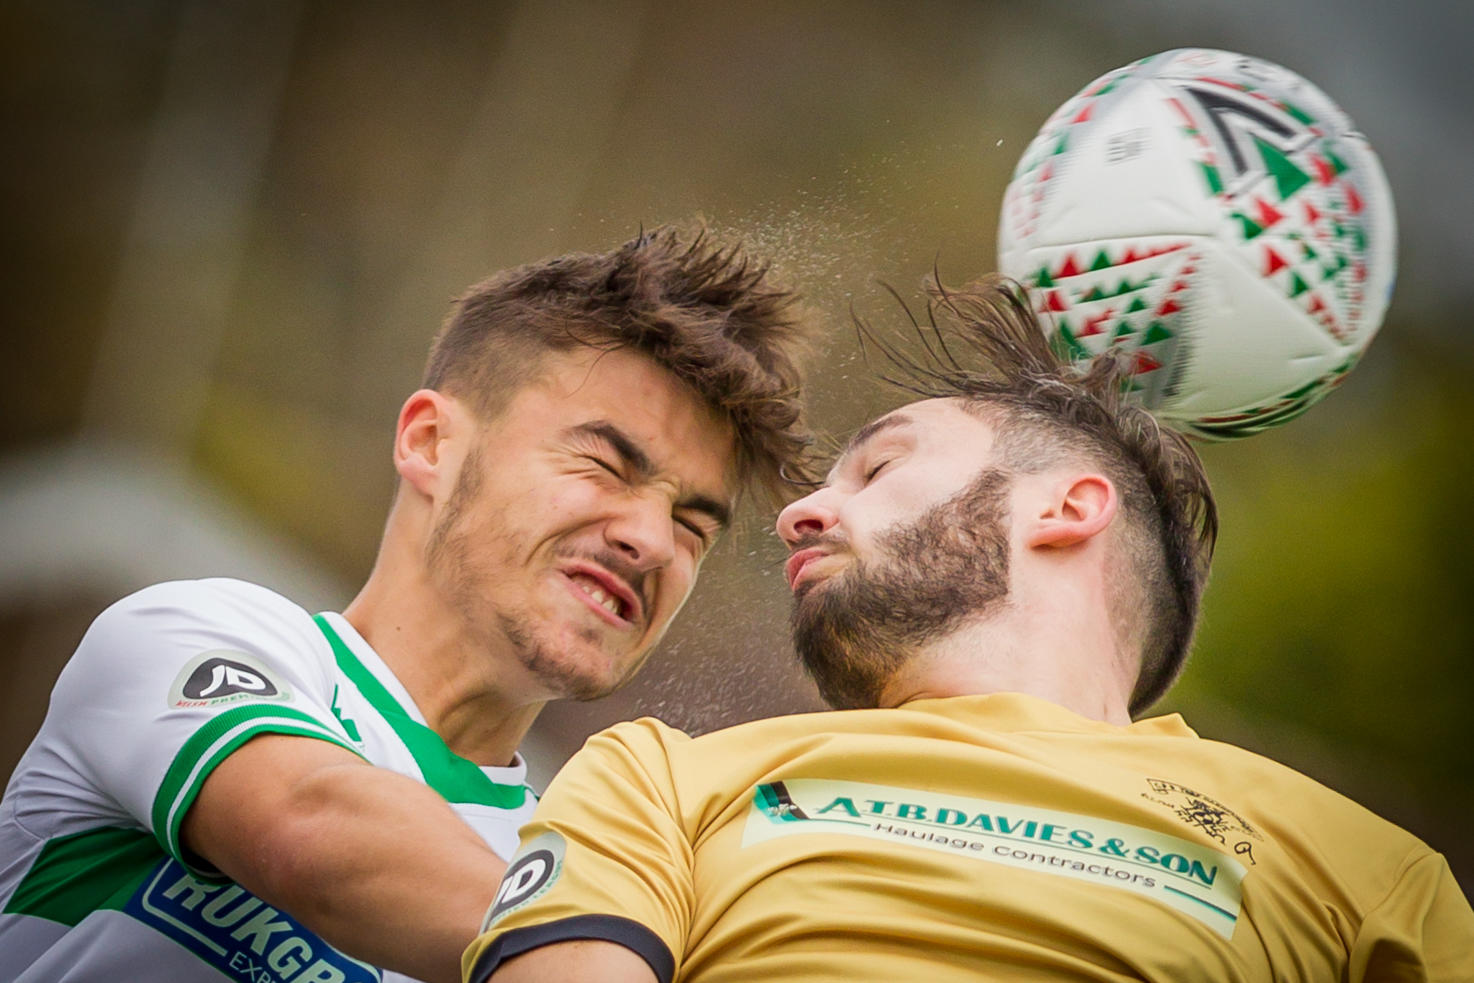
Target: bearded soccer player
(227, 787)
(991, 584)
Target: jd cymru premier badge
(532, 871)
(225, 676)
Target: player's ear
(426, 421)
(1077, 507)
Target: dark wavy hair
(709, 313)
(1046, 410)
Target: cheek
(560, 504)
(893, 501)
(862, 519)
(675, 586)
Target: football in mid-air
(1218, 220)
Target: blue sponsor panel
(237, 933)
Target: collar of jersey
(1021, 712)
(454, 777)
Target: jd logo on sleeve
(225, 676)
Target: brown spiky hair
(708, 312)
(988, 348)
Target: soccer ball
(1217, 219)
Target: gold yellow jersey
(984, 837)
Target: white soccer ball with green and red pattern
(1218, 219)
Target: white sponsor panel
(1188, 877)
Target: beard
(459, 561)
(854, 631)
(550, 667)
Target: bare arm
(375, 863)
(582, 961)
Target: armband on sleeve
(608, 928)
(607, 856)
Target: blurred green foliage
(1338, 626)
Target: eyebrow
(869, 430)
(634, 457)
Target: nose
(643, 532)
(812, 515)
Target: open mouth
(601, 597)
(604, 596)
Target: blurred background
(231, 230)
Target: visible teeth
(601, 597)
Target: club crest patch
(223, 676)
(1207, 814)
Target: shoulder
(1273, 783)
(755, 738)
(218, 599)
(1315, 823)
(648, 738)
(642, 742)
(655, 758)
(159, 628)
(1383, 879)
(732, 759)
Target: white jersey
(165, 684)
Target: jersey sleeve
(1422, 930)
(607, 856)
(169, 681)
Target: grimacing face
(908, 537)
(580, 519)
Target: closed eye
(875, 470)
(605, 465)
(697, 529)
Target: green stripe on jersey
(455, 778)
(209, 746)
(76, 875)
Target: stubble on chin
(559, 672)
(467, 559)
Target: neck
(1068, 659)
(448, 673)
